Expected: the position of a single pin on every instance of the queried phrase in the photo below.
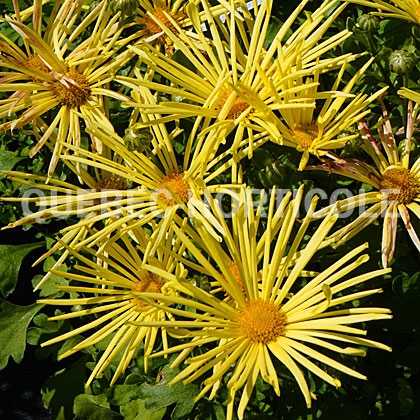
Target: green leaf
(161, 395)
(69, 344)
(136, 410)
(273, 29)
(14, 321)
(404, 304)
(60, 390)
(210, 410)
(8, 160)
(11, 257)
(122, 394)
(43, 326)
(49, 287)
(93, 407)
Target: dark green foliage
(11, 257)
(14, 321)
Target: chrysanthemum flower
(396, 183)
(112, 279)
(401, 9)
(270, 314)
(47, 75)
(234, 77)
(125, 186)
(97, 194)
(152, 15)
(315, 131)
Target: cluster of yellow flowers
(207, 77)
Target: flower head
(125, 186)
(395, 180)
(270, 316)
(315, 130)
(158, 17)
(153, 15)
(111, 284)
(237, 85)
(47, 75)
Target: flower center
(112, 182)
(151, 284)
(305, 134)
(238, 106)
(233, 268)
(151, 28)
(73, 90)
(261, 322)
(172, 185)
(400, 185)
(36, 62)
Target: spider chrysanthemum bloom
(235, 79)
(316, 131)
(110, 285)
(400, 9)
(154, 14)
(126, 186)
(396, 183)
(49, 74)
(271, 315)
(96, 198)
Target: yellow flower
(99, 202)
(271, 314)
(124, 186)
(396, 184)
(114, 280)
(46, 75)
(403, 9)
(155, 15)
(235, 80)
(316, 130)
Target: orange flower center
(113, 182)
(233, 268)
(150, 284)
(73, 90)
(36, 63)
(172, 185)
(400, 185)
(152, 28)
(305, 134)
(261, 322)
(238, 106)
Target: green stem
(405, 102)
(384, 74)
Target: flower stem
(405, 103)
(384, 73)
